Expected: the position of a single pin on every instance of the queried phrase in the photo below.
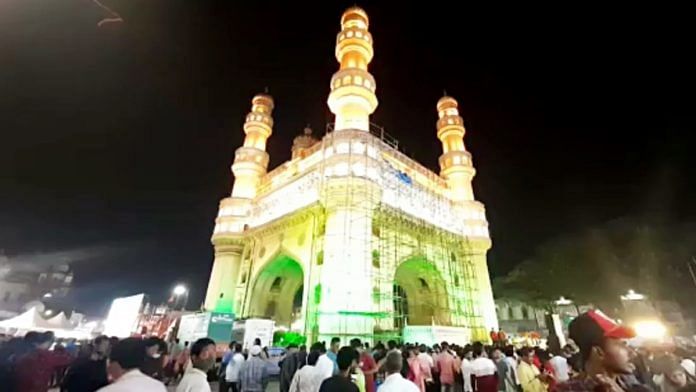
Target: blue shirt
(334, 359)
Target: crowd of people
(598, 360)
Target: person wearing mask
(347, 360)
(483, 370)
(154, 363)
(604, 356)
(395, 382)
(253, 374)
(233, 367)
(34, 369)
(87, 374)
(288, 367)
(308, 378)
(202, 360)
(445, 365)
(125, 360)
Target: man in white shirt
(467, 369)
(426, 363)
(483, 370)
(308, 378)
(202, 359)
(394, 381)
(325, 365)
(559, 362)
(232, 371)
(125, 359)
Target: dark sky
(116, 142)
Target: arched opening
(420, 295)
(277, 291)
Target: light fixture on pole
(179, 289)
(563, 301)
(632, 296)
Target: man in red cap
(605, 358)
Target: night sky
(116, 141)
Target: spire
(251, 160)
(455, 162)
(352, 98)
(302, 143)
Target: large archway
(420, 294)
(277, 291)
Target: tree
(599, 264)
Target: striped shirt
(253, 375)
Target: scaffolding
(413, 271)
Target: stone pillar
(485, 301)
(346, 306)
(225, 274)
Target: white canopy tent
(31, 320)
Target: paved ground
(272, 387)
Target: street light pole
(178, 291)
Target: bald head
(393, 362)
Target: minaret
(251, 160)
(455, 162)
(301, 144)
(352, 98)
(250, 164)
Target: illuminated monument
(351, 237)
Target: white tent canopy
(60, 321)
(31, 319)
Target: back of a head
(355, 343)
(422, 348)
(345, 357)
(237, 348)
(391, 344)
(313, 357)
(152, 341)
(586, 334)
(100, 339)
(129, 353)
(318, 346)
(393, 363)
(44, 338)
(477, 349)
(31, 337)
(200, 345)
